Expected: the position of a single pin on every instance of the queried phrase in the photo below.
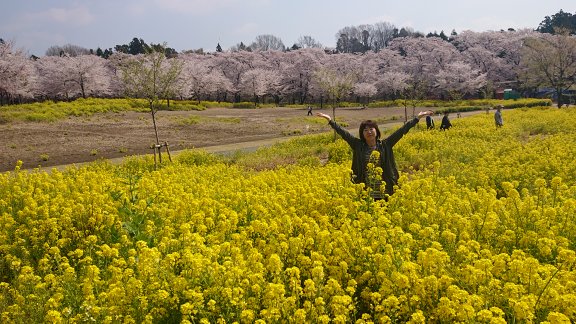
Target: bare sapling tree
(152, 77)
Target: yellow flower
(186, 309)
(558, 318)
(247, 316)
(417, 317)
(53, 316)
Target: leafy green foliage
(561, 19)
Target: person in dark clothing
(498, 116)
(429, 122)
(368, 142)
(309, 110)
(446, 124)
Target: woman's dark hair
(368, 124)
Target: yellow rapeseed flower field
(480, 230)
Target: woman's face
(369, 133)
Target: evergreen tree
(564, 20)
(138, 46)
(443, 36)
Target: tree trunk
(82, 87)
(154, 123)
(405, 112)
(559, 96)
(334, 119)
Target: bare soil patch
(115, 135)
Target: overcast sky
(35, 25)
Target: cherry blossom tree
(115, 62)
(233, 65)
(258, 83)
(297, 73)
(335, 84)
(221, 85)
(393, 82)
(365, 66)
(349, 67)
(494, 53)
(71, 77)
(433, 53)
(417, 66)
(197, 77)
(365, 91)
(423, 59)
(387, 71)
(16, 73)
(550, 61)
(90, 74)
(56, 79)
(458, 79)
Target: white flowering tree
(494, 53)
(56, 78)
(296, 69)
(365, 91)
(16, 73)
(233, 65)
(335, 84)
(550, 61)
(73, 76)
(458, 79)
(258, 83)
(90, 74)
(200, 78)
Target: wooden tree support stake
(158, 149)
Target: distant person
(498, 116)
(429, 122)
(446, 124)
(368, 142)
(309, 110)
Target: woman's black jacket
(360, 153)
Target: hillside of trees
(369, 62)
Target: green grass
(49, 111)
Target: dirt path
(79, 140)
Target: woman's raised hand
(327, 117)
(425, 113)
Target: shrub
(244, 105)
(197, 157)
